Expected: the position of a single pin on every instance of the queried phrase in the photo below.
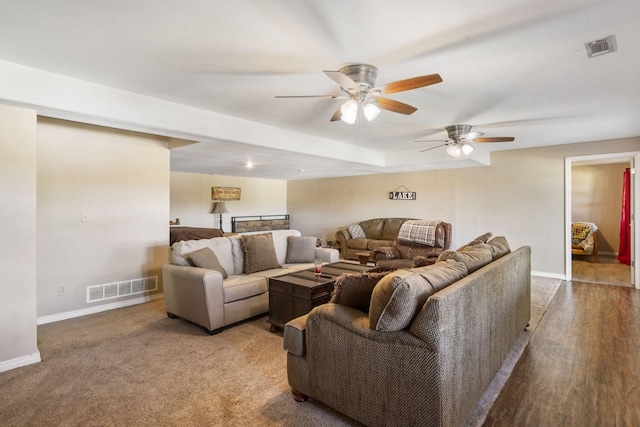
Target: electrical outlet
(62, 290)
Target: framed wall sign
(397, 194)
(225, 193)
(402, 195)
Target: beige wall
(18, 339)
(596, 197)
(120, 181)
(191, 198)
(520, 196)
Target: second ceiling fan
(357, 82)
(460, 139)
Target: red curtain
(624, 253)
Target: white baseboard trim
(97, 309)
(19, 362)
(549, 275)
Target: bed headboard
(243, 224)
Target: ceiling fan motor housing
(362, 74)
(456, 131)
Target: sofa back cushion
(474, 257)
(499, 247)
(391, 227)
(399, 296)
(221, 246)
(373, 228)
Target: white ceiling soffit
(209, 71)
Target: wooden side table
(363, 257)
(294, 295)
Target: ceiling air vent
(600, 47)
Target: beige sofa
(207, 298)
(409, 362)
(378, 232)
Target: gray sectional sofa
(413, 347)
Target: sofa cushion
(474, 257)
(400, 295)
(356, 231)
(480, 239)
(242, 286)
(358, 244)
(300, 249)
(373, 228)
(206, 258)
(391, 228)
(499, 247)
(354, 289)
(373, 244)
(259, 252)
(221, 246)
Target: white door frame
(634, 159)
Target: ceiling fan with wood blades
(357, 82)
(460, 139)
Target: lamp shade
(467, 149)
(219, 208)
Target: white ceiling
(509, 67)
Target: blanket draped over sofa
(431, 343)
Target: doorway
(607, 270)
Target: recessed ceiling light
(300, 170)
(249, 165)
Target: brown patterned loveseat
(431, 342)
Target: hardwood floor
(582, 364)
(606, 271)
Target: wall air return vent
(600, 47)
(121, 289)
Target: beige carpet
(135, 366)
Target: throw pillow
(480, 239)
(354, 289)
(499, 247)
(206, 258)
(300, 249)
(356, 231)
(259, 253)
(399, 296)
(474, 257)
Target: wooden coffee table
(295, 294)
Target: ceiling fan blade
(312, 96)
(471, 135)
(343, 80)
(408, 84)
(433, 148)
(395, 106)
(432, 140)
(337, 115)
(495, 139)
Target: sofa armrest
(384, 253)
(341, 238)
(293, 336)
(327, 255)
(194, 294)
